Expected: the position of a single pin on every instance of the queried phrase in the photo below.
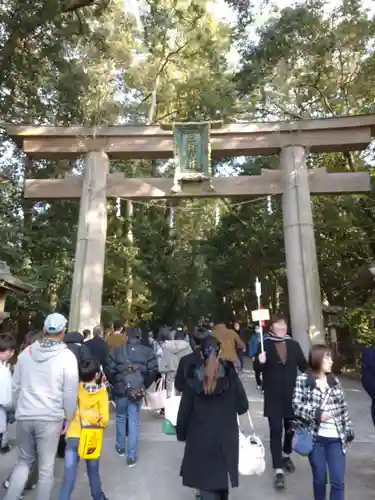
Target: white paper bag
(156, 400)
(251, 459)
(172, 405)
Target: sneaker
(198, 496)
(30, 487)
(131, 462)
(279, 481)
(6, 484)
(120, 452)
(288, 464)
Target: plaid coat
(307, 402)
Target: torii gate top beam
(237, 139)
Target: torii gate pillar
(305, 303)
(86, 299)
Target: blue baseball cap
(55, 323)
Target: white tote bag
(251, 459)
(172, 405)
(156, 400)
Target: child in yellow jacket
(92, 409)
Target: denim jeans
(35, 439)
(131, 411)
(328, 452)
(71, 462)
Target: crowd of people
(63, 383)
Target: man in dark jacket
(279, 364)
(98, 347)
(75, 343)
(126, 365)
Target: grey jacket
(45, 382)
(173, 351)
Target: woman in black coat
(207, 423)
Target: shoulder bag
(90, 440)
(303, 440)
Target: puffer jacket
(139, 355)
(173, 351)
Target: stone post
(305, 303)
(86, 299)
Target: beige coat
(230, 342)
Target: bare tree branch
(154, 91)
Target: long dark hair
(210, 350)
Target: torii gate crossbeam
(294, 182)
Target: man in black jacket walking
(279, 364)
(98, 346)
(131, 369)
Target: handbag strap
(325, 399)
(160, 384)
(250, 422)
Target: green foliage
(89, 62)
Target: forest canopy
(95, 62)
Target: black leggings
(214, 495)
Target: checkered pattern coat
(308, 400)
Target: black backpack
(84, 353)
(81, 352)
(132, 379)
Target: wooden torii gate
(294, 181)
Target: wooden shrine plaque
(192, 151)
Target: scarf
(274, 338)
(93, 387)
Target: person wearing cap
(45, 388)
